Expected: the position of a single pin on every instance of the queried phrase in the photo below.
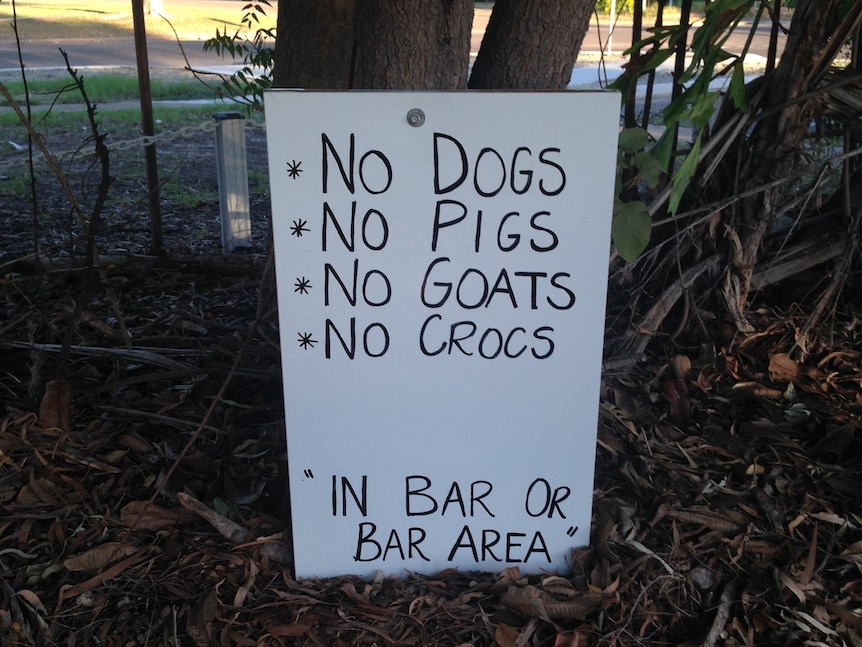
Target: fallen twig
(721, 615)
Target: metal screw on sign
(415, 117)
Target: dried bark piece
(722, 615)
(227, 528)
(725, 522)
(532, 602)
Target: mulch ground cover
(143, 489)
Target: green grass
(105, 88)
(181, 196)
(14, 183)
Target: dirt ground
(186, 156)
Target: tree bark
(314, 44)
(531, 45)
(413, 44)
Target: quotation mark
(571, 531)
(308, 474)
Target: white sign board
(442, 264)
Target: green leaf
(664, 147)
(632, 140)
(737, 87)
(224, 507)
(683, 176)
(703, 108)
(631, 228)
(675, 109)
(649, 168)
(646, 63)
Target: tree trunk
(531, 45)
(314, 44)
(413, 44)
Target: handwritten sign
(442, 265)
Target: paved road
(164, 53)
(120, 52)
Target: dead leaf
(767, 504)
(678, 399)
(71, 590)
(566, 640)
(237, 638)
(783, 369)
(37, 492)
(134, 442)
(845, 614)
(28, 618)
(33, 600)
(55, 409)
(99, 556)
(298, 628)
(792, 586)
(830, 517)
(200, 621)
(621, 416)
(853, 552)
(680, 365)
(808, 571)
(505, 636)
(611, 588)
(243, 591)
(814, 622)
